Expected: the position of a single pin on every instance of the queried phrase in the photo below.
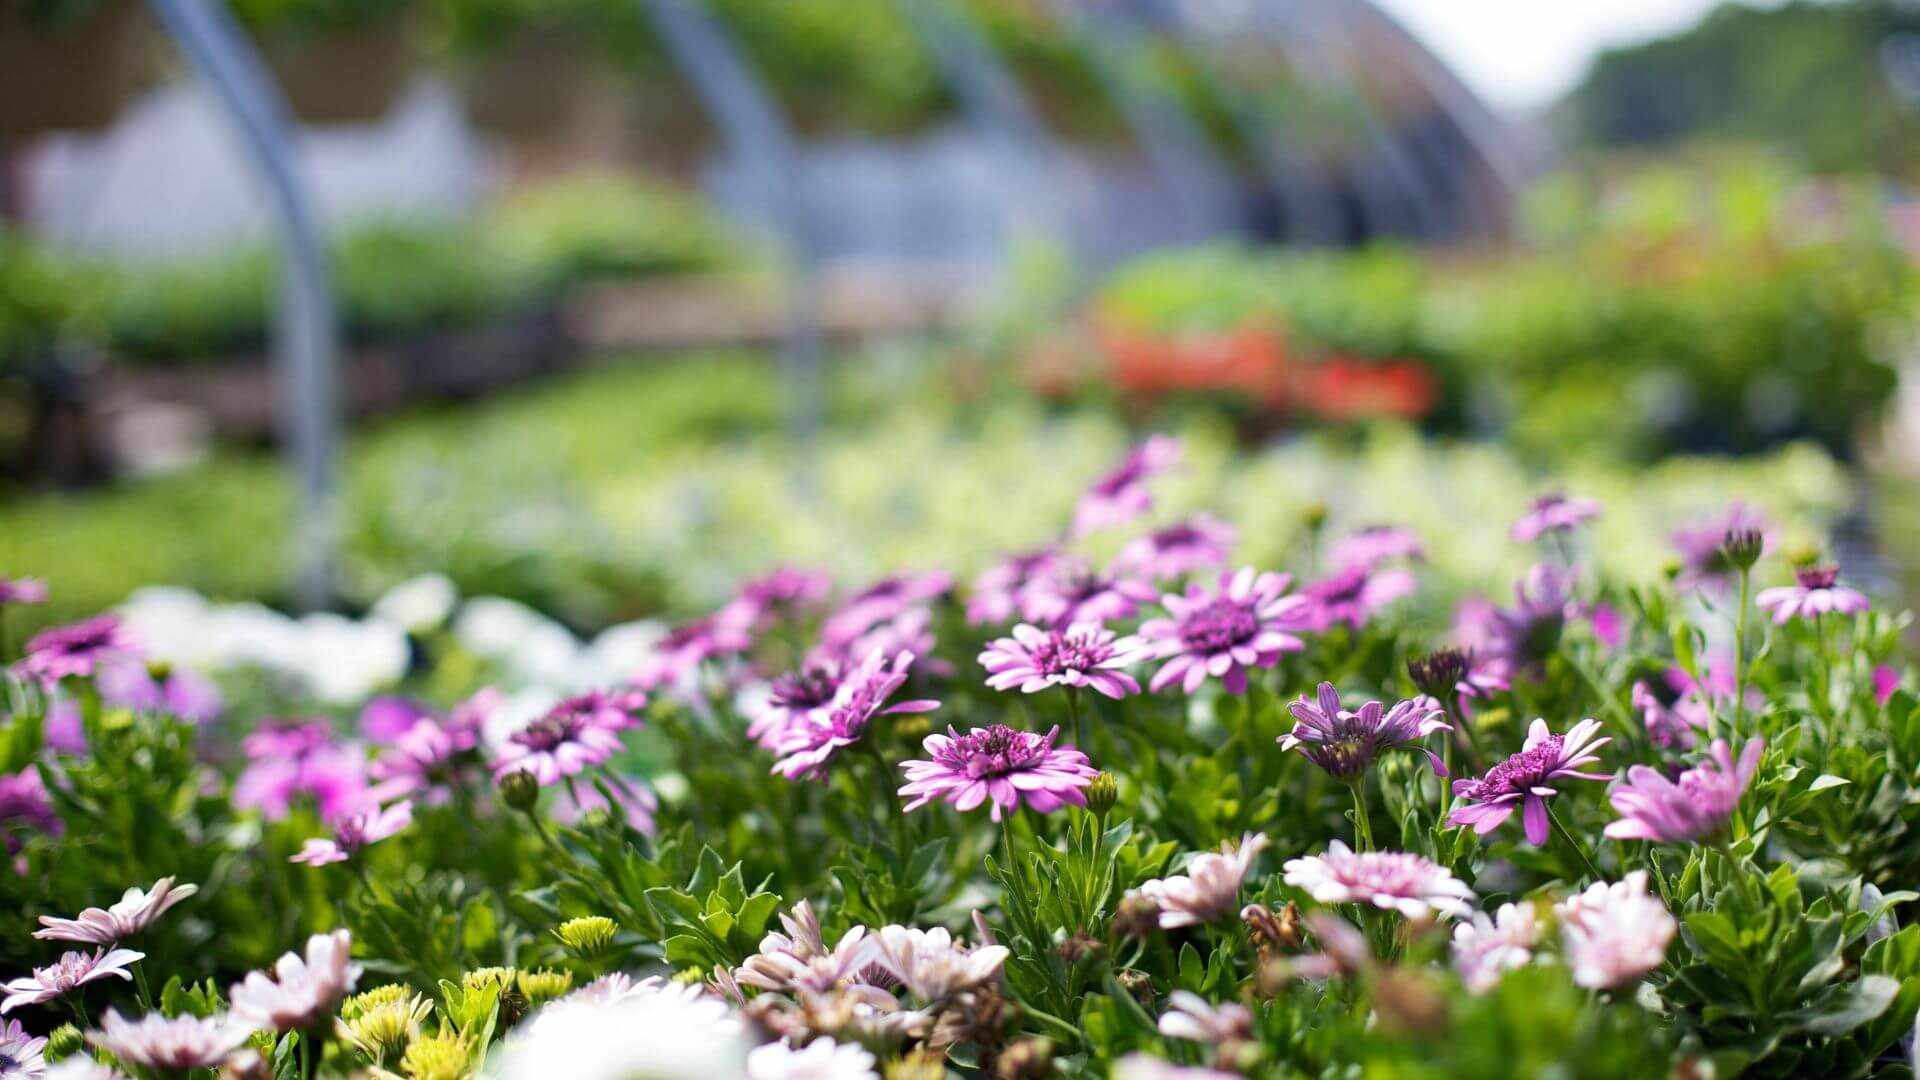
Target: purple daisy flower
(1376, 544)
(23, 590)
(136, 910)
(1557, 512)
(72, 970)
(1222, 632)
(877, 603)
(1085, 654)
(1201, 542)
(1413, 885)
(21, 1055)
(1001, 765)
(677, 657)
(911, 631)
(806, 747)
(1670, 712)
(1526, 780)
(573, 736)
(775, 594)
(995, 594)
(1520, 638)
(131, 684)
(25, 806)
(76, 650)
(1122, 495)
(1345, 742)
(1702, 546)
(385, 719)
(288, 761)
(1353, 596)
(1816, 591)
(1691, 809)
(367, 827)
(796, 697)
(1075, 593)
(1614, 934)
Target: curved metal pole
(305, 347)
(1193, 171)
(757, 136)
(999, 111)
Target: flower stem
(1073, 715)
(1362, 825)
(1578, 849)
(1740, 650)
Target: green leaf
(1825, 781)
(1844, 1008)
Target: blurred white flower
(418, 604)
(821, 1059)
(651, 1031)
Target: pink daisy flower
(302, 990)
(1556, 512)
(1691, 809)
(356, 832)
(1374, 545)
(21, 1055)
(1199, 543)
(996, 591)
(796, 698)
(1412, 885)
(1000, 764)
(76, 650)
(1074, 592)
(169, 1044)
(774, 595)
(1353, 596)
(287, 761)
(22, 590)
(883, 600)
(806, 747)
(1084, 654)
(573, 736)
(676, 658)
(1527, 780)
(1615, 934)
(73, 969)
(1671, 716)
(1816, 591)
(136, 910)
(1243, 623)
(1122, 495)
(1345, 742)
(1487, 948)
(1210, 888)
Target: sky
(1523, 54)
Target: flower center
(1524, 770)
(808, 688)
(549, 731)
(996, 751)
(1061, 653)
(1817, 577)
(1219, 626)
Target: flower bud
(1102, 794)
(1077, 948)
(587, 937)
(520, 791)
(543, 985)
(1137, 916)
(1742, 548)
(1439, 672)
(1025, 1059)
(1802, 555)
(1138, 983)
(922, 1064)
(64, 1041)
(441, 1057)
(360, 1004)
(1409, 1002)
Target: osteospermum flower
(1222, 632)
(883, 600)
(1672, 717)
(1345, 742)
(1554, 513)
(24, 803)
(1198, 543)
(136, 910)
(21, 1055)
(1527, 780)
(676, 1030)
(1691, 809)
(1702, 547)
(1140, 1066)
(996, 591)
(934, 965)
(21, 591)
(73, 969)
(1374, 545)
(1074, 592)
(1353, 596)
(775, 594)
(1210, 888)
(131, 684)
(1412, 885)
(303, 990)
(285, 762)
(1122, 495)
(1523, 636)
(76, 650)
(1487, 948)
(1816, 591)
(367, 827)
(785, 970)
(169, 1043)
(677, 656)
(806, 747)
(1192, 1017)
(821, 1059)
(573, 736)
(1614, 934)
(1084, 654)
(1001, 765)
(795, 698)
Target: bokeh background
(625, 299)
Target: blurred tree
(1811, 76)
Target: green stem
(1362, 825)
(1052, 1021)
(1578, 849)
(1612, 702)
(1073, 715)
(306, 1056)
(1740, 652)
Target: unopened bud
(1314, 515)
(64, 1041)
(587, 937)
(1136, 917)
(1440, 672)
(1025, 1059)
(441, 1057)
(1138, 983)
(543, 985)
(1102, 794)
(520, 791)
(1742, 548)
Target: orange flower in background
(1342, 388)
